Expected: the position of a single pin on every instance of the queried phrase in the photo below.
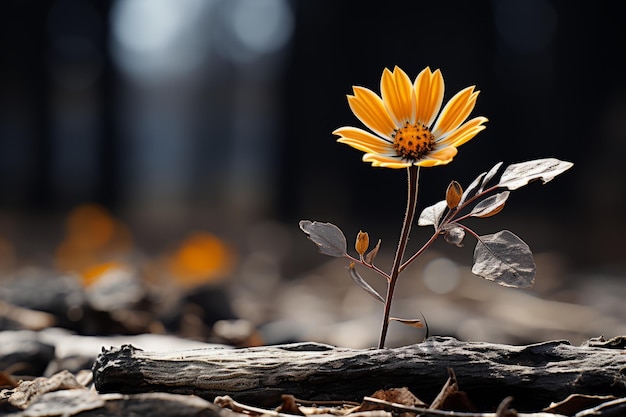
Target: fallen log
(535, 375)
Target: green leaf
(329, 239)
(490, 205)
(505, 259)
(356, 277)
(518, 175)
(432, 214)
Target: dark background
(179, 115)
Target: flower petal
(370, 110)
(456, 111)
(360, 134)
(386, 161)
(429, 88)
(464, 133)
(397, 94)
(440, 157)
(429, 162)
(364, 141)
(444, 154)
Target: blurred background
(185, 140)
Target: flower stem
(413, 175)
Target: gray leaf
(472, 188)
(328, 237)
(356, 277)
(518, 175)
(432, 214)
(490, 205)
(489, 176)
(505, 259)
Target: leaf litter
(450, 402)
(394, 402)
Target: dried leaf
(490, 206)
(454, 235)
(356, 277)
(369, 258)
(505, 259)
(450, 387)
(409, 322)
(578, 402)
(432, 214)
(402, 397)
(67, 402)
(472, 187)
(451, 398)
(28, 391)
(489, 176)
(518, 175)
(328, 237)
(397, 396)
(289, 405)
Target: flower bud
(362, 243)
(454, 194)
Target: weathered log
(534, 375)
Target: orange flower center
(413, 141)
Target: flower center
(413, 141)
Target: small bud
(454, 236)
(454, 194)
(362, 243)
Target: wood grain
(534, 375)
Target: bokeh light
(441, 275)
(158, 38)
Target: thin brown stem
(421, 250)
(366, 265)
(413, 175)
(450, 216)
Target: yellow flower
(409, 129)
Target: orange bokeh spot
(91, 226)
(200, 258)
(93, 237)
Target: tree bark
(534, 375)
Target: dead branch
(534, 374)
